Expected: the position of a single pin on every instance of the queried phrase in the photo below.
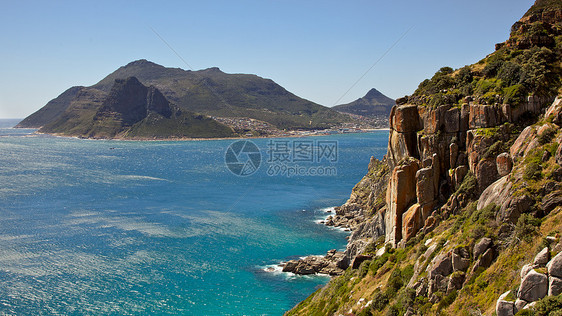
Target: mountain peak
(141, 62)
(373, 93)
(373, 104)
(212, 70)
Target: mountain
(373, 104)
(463, 215)
(129, 110)
(210, 92)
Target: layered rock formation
(471, 186)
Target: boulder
(513, 207)
(461, 259)
(464, 117)
(486, 173)
(551, 201)
(401, 146)
(496, 193)
(554, 285)
(455, 282)
(290, 266)
(554, 266)
(441, 265)
(534, 143)
(430, 224)
(541, 259)
(485, 261)
(411, 222)
(504, 164)
(526, 269)
(438, 284)
(401, 101)
(360, 259)
(504, 307)
(481, 247)
(558, 156)
(421, 288)
(520, 145)
(533, 287)
(519, 305)
(555, 110)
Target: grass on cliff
(506, 76)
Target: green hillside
(214, 93)
(131, 110)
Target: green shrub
(469, 185)
(380, 300)
(532, 171)
(526, 227)
(395, 282)
(550, 305)
(546, 136)
(376, 264)
(514, 94)
(447, 300)
(509, 73)
(364, 268)
(494, 150)
(406, 298)
(393, 311)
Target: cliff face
(130, 110)
(468, 193)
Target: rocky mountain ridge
(210, 92)
(373, 105)
(129, 110)
(468, 192)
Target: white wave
(272, 268)
(138, 177)
(331, 209)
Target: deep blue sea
(164, 228)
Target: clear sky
(315, 49)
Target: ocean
(103, 227)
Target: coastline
(204, 138)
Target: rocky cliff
(129, 110)
(469, 191)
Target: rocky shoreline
(349, 217)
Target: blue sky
(315, 49)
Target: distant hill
(130, 110)
(210, 92)
(373, 104)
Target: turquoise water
(136, 228)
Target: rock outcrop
(333, 263)
(541, 278)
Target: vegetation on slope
(528, 64)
